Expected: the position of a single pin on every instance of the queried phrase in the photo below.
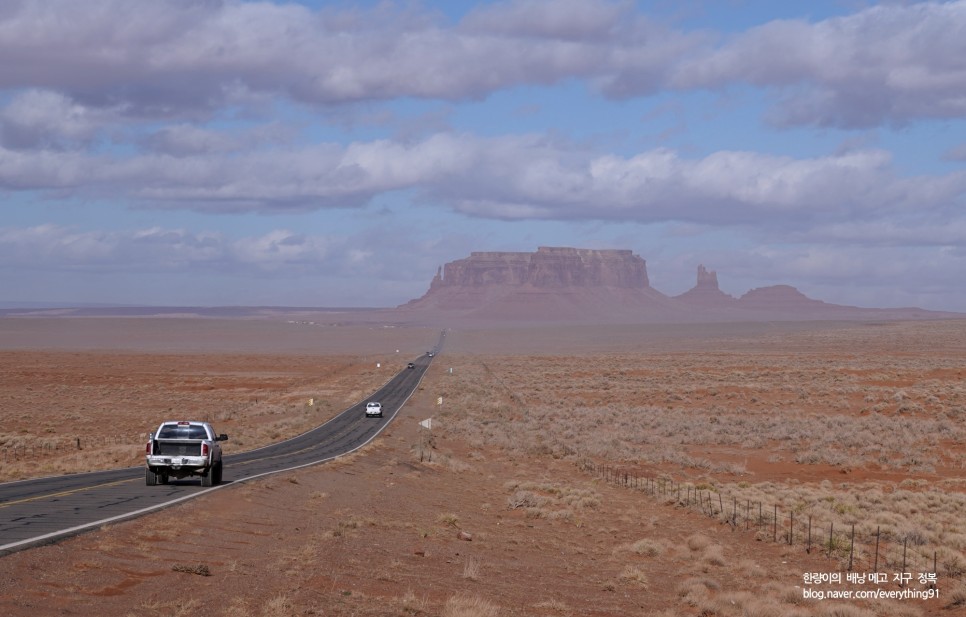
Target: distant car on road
(429, 353)
(410, 365)
(374, 410)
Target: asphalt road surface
(35, 512)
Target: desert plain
(585, 470)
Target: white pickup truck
(179, 449)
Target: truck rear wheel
(217, 478)
(208, 476)
(150, 478)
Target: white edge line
(120, 517)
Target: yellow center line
(325, 441)
(61, 494)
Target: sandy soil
(379, 533)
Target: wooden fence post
(875, 565)
(774, 532)
(903, 571)
(852, 547)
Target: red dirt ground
(378, 532)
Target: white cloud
(888, 64)
(170, 57)
(509, 178)
(282, 248)
(45, 119)
(532, 180)
(158, 249)
(55, 246)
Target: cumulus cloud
(509, 178)
(158, 249)
(46, 119)
(888, 64)
(173, 58)
(59, 246)
(520, 179)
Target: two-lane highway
(34, 512)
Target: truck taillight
(147, 448)
(204, 449)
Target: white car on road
(374, 409)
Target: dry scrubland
(81, 394)
(848, 423)
(67, 413)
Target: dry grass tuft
(410, 604)
(634, 574)
(647, 547)
(714, 555)
(464, 605)
(472, 568)
(957, 598)
(278, 606)
(449, 519)
(698, 542)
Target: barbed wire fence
(852, 550)
(29, 449)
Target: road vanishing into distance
(41, 511)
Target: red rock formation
(705, 293)
(549, 267)
(783, 298)
(556, 283)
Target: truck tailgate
(178, 448)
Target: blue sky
(182, 152)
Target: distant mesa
(554, 283)
(562, 284)
(548, 268)
(784, 297)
